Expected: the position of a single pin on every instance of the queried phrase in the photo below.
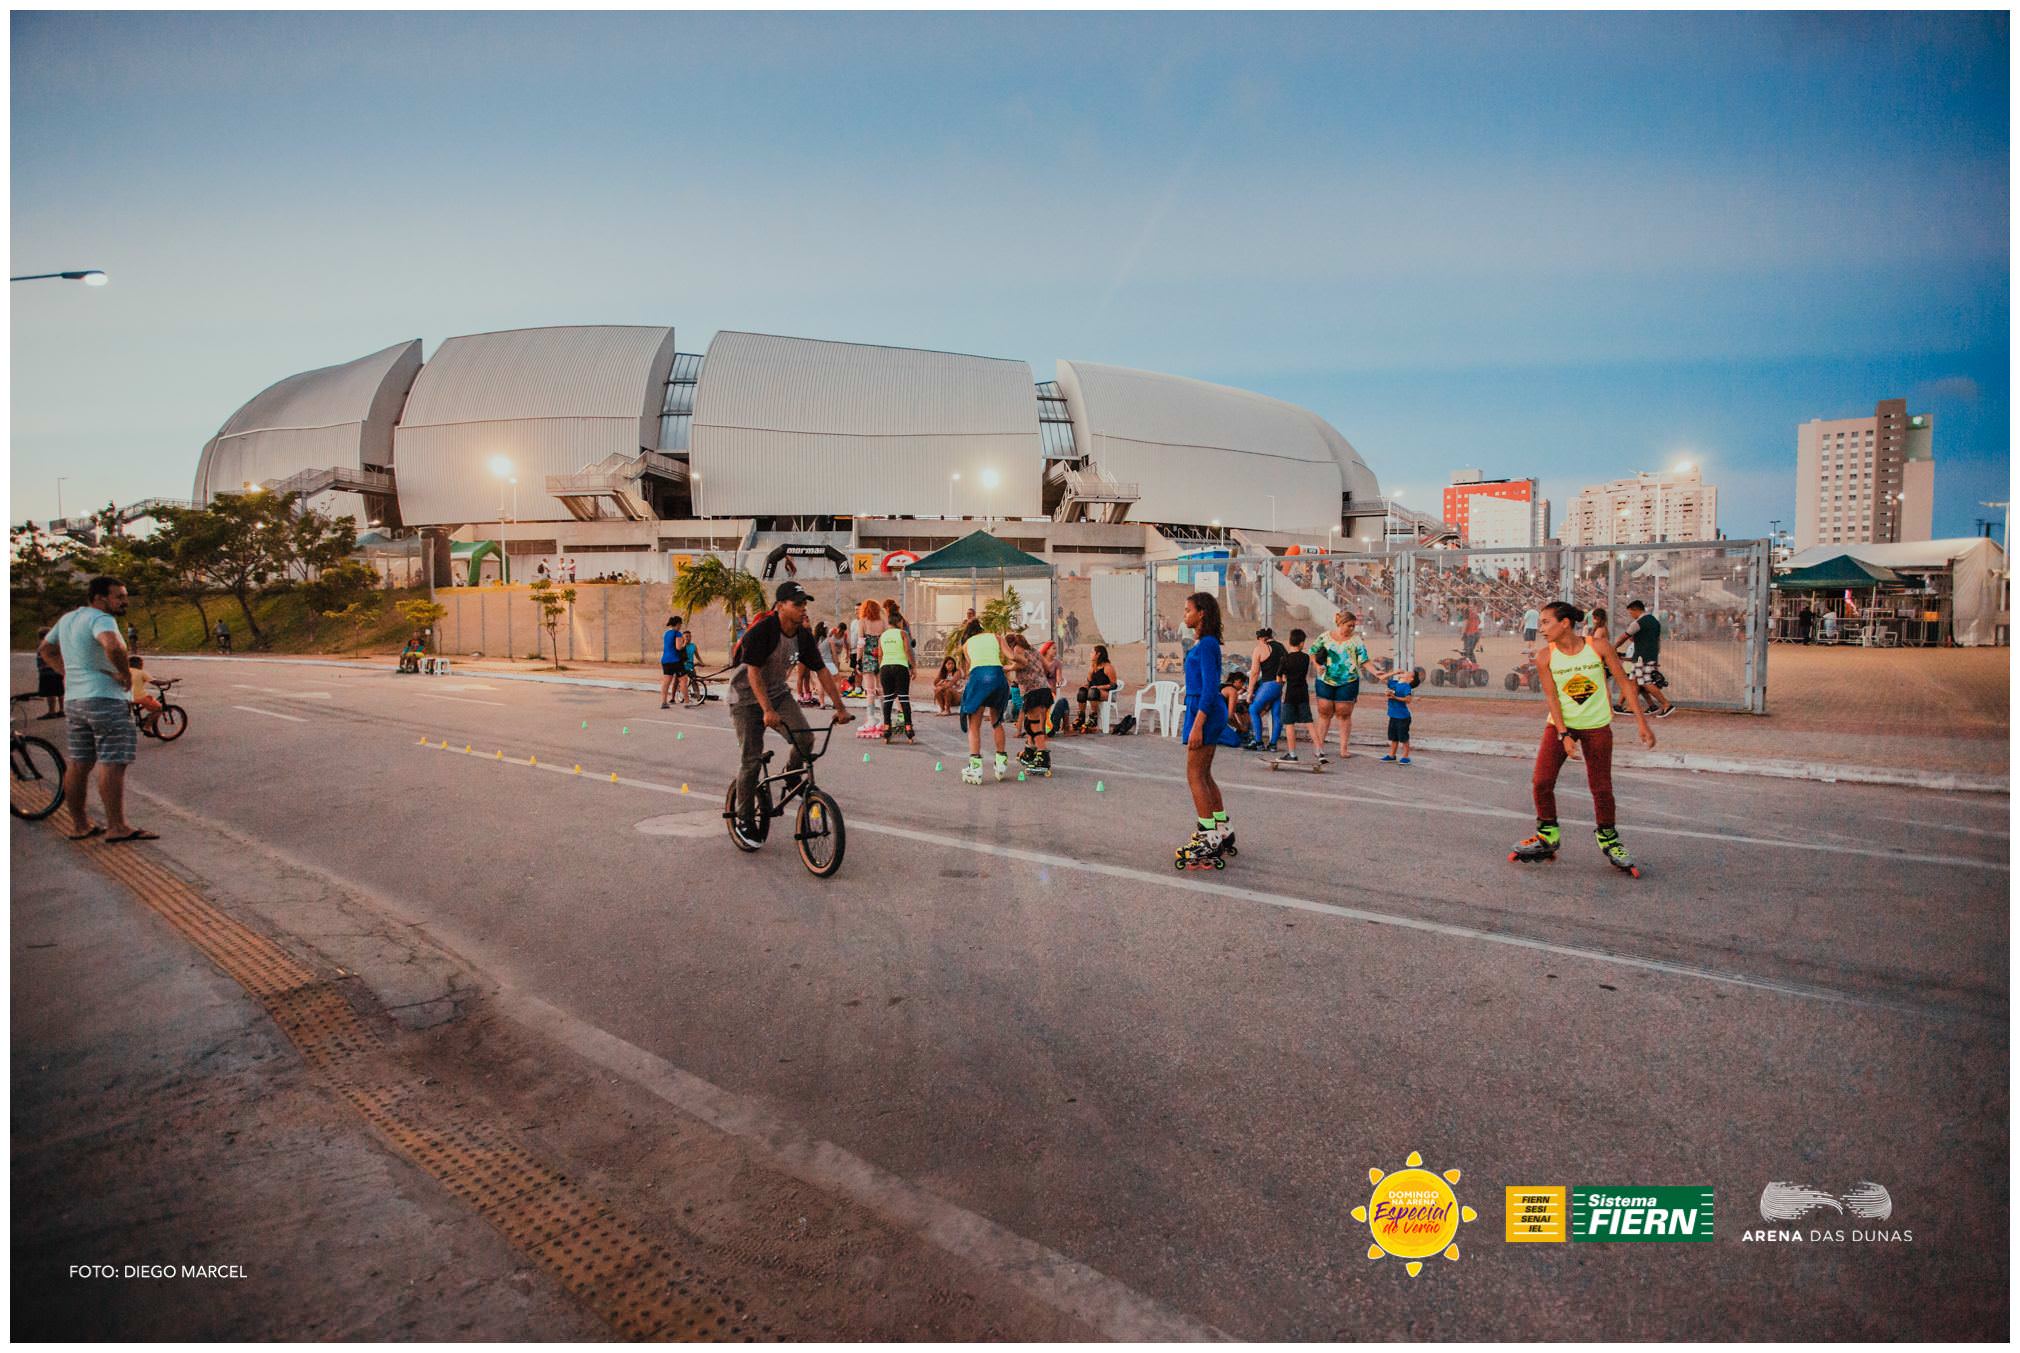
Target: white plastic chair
(1159, 698)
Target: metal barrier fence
(1468, 617)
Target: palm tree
(708, 581)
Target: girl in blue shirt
(1204, 722)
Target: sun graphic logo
(1414, 1214)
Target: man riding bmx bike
(761, 696)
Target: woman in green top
(894, 670)
(1573, 670)
(988, 689)
(1340, 654)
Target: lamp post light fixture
(952, 480)
(502, 467)
(59, 495)
(990, 479)
(91, 277)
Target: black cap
(791, 591)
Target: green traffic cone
(936, 765)
(1100, 788)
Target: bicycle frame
(805, 774)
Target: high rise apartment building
(1866, 481)
(1670, 505)
(1468, 488)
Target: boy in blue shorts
(1400, 687)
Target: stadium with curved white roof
(607, 439)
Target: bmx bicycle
(819, 830)
(38, 772)
(169, 722)
(696, 694)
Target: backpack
(1125, 724)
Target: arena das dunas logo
(1413, 1214)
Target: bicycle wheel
(38, 778)
(762, 828)
(821, 835)
(171, 723)
(697, 692)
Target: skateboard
(1312, 767)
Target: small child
(1297, 674)
(1234, 690)
(138, 692)
(1399, 714)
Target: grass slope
(289, 623)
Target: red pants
(1597, 745)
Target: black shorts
(1297, 709)
(47, 683)
(673, 669)
(896, 679)
(1399, 730)
(1037, 704)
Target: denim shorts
(101, 730)
(1344, 694)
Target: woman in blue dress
(1204, 722)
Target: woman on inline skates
(988, 690)
(1205, 718)
(1573, 670)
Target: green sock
(1206, 824)
(1220, 819)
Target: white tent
(1974, 564)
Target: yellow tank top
(1581, 684)
(984, 651)
(892, 647)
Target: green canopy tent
(1830, 583)
(473, 553)
(972, 572)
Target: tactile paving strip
(638, 1287)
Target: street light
(990, 479)
(952, 480)
(91, 277)
(59, 495)
(502, 467)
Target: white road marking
(1947, 827)
(285, 694)
(704, 727)
(270, 714)
(1510, 814)
(1112, 1309)
(1190, 882)
(461, 700)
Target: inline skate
(1616, 854)
(1542, 846)
(971, 774)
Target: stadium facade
(608, 441)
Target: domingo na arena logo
(1413, 1214)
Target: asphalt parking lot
(1008, 997)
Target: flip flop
(93, 830)
(137, 834)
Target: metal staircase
(1086, 494)
(613, 489)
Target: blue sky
(1571, 246)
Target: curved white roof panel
(550, 401)
(1200, 453)
(800, 425)
(333, 416)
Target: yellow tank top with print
(1581, 686)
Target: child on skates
(1204, 720)
(1574, 670)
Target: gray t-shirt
(773, 652)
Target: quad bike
(1458, 670)
(1523, 678)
